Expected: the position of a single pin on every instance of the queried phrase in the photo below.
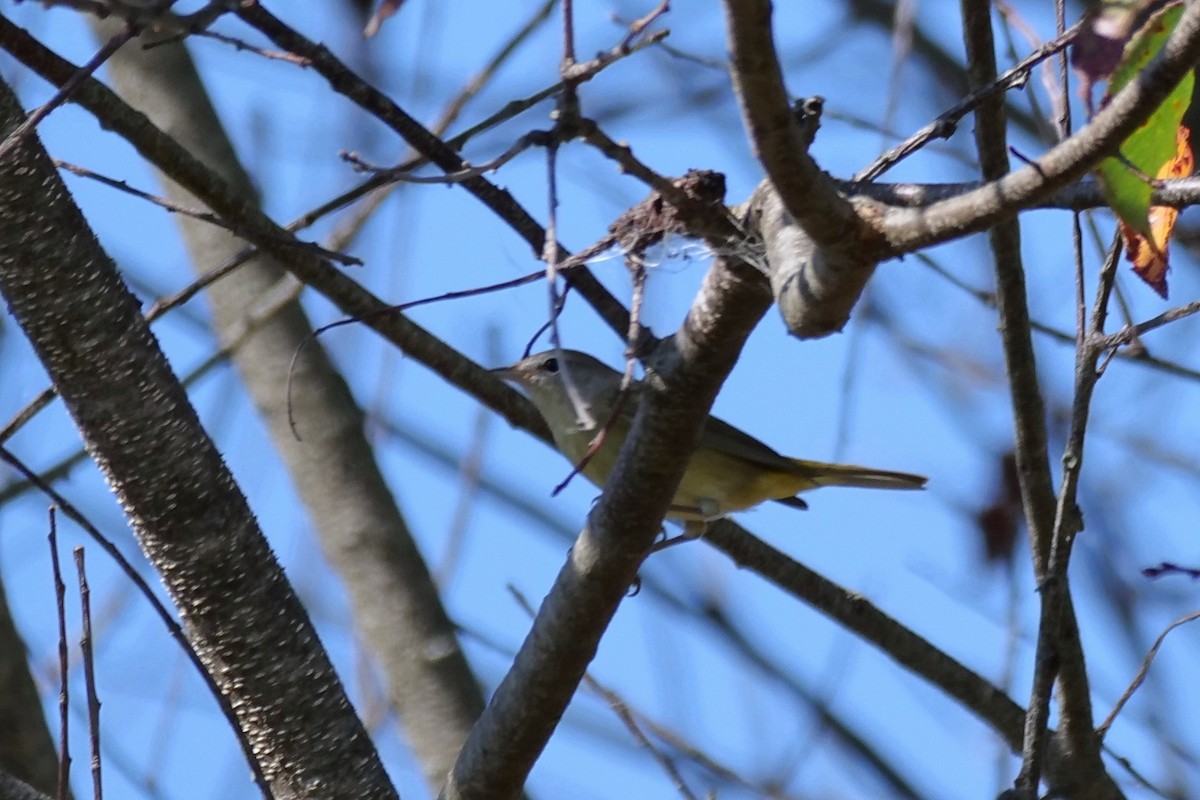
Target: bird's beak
(507, 373)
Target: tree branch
(344, 81)
(167, 156)
(1059, 649)
(1081, 196)
(361, 530)
(807, 193)
(682, 381)
(238, 609)
(904, 230)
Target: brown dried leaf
(1149, 256)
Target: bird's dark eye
(550, 365)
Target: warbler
(729, 471)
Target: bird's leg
(692, 529)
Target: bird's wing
(723, 437)
(732, 441)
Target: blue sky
(915, 383)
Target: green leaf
(1126, 179)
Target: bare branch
(1138, 679)
(621, 528)
(808, 194)
(947, 122)
(345, 82)
(905, 230)
(246, 623)
(87, 649)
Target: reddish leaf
(1101, 41)
(1000, 523)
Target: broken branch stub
(815, 285)
(816, 280)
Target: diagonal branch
(344, 81)
(905, 230)
(361, 530)
(238, 609)
(529, 702)
(808, 194)
(166, 155)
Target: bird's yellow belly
(714, 484)
(717, 484)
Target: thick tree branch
(397, 608)
(860, 616)
(1081, 196)
(682, 382)
(238, 610)
(822, 246)
(818, 253)
(808, 194)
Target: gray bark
(397, 608)
(237, 608)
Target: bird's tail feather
(861, 477)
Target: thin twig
(483, 77)
(583, 409)
(499, 201)
(401, 175)
(1058, 655)
(1138, 679)
(64, 664)
(89, 674)
(638, 25)
(66, 90)
(1131, 333)
(947, 122)
(240, 45)
(1140, 356)
(203, 216)
(163, 614)
(587, 70)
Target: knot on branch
(807, 113)
(647, 223)
(815, 284)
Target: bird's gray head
(547, 376)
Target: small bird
(729, 471)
